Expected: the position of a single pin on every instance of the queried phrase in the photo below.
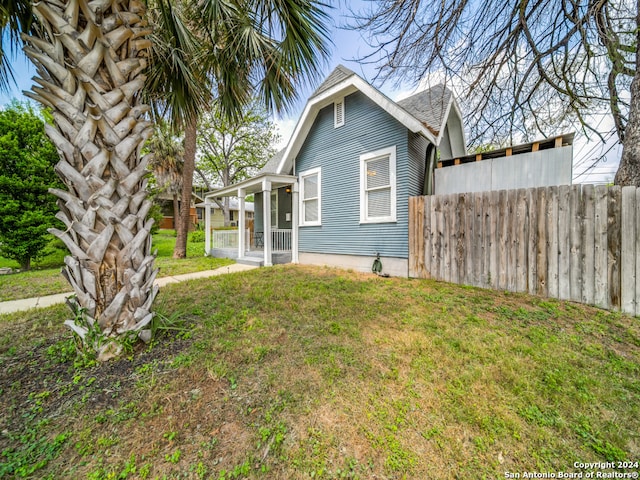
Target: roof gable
(429, 106)
(339, 74)
(424, 113)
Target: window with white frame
(310, 199)
(338, 113)
(378, 186)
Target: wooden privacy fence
(576, 243)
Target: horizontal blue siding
(337, 152)
(417, 162)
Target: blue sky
(348, 46)
(24, 71)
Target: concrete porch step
(250, 260)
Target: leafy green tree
(27, 160)
(166, 166)
(229, 53)
(232, 150)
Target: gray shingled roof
(428, 106)
(272, 164)
(338, 75)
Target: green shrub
(196, 236)
(155, 212)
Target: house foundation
(395, 267)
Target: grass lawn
(301, 372)
(48, 281)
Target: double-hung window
(310, 199)
(378, 186)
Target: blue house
(338, 193)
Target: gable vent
(338, 113)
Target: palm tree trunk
(25, 265)
(89, 58)
(180, 250)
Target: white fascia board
(232, 190)
(311, 109)
(456, 108)
(346, 87)
(453, 105)
(445, 118)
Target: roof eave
(248, 184)
(346, 87)
(445, 117)
(451, 105)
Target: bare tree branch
(507, 59)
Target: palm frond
(16, 17)
(176, 78)
(264, 48)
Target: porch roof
(254, 184)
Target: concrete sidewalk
(41, 302)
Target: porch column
(241, 223)
(294, 223)
(207, 227)
(266, 212)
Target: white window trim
(364, 158)
(336, 108)
(301, 176)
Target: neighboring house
(166, 204)
(217, 215)
(338, 193)
(197, 211)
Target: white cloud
(285, 127)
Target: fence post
(637, 249)
(627, 251)
(542, 233)
(417, 238)
(522, 229)
(588, 246)
(427, 231)
(494, 245)
(533, 194)
(575, 244)
(613, 244)
(601, 247)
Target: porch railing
(281, 240)
(227, 238)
